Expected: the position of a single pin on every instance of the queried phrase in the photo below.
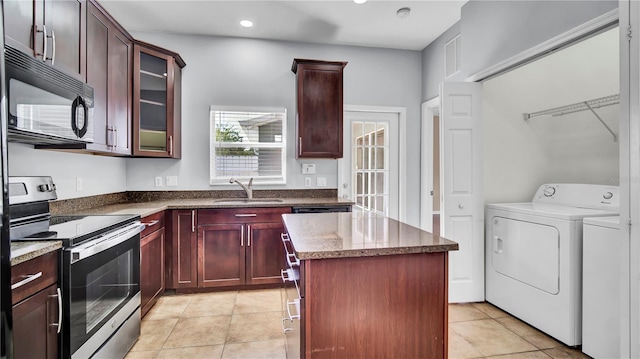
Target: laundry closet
(551, 161)
(538, 129)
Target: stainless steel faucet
(246, 188)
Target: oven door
(102, 289)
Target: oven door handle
(104, 242)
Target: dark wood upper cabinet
(157, 93)
(319, 108)
(109, 72)
(52, 31)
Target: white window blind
(248, 142)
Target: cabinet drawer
(34, 275)
(152, 223)
(241, 215)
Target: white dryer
(534, 255)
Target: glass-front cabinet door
(156, 103)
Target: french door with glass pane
(369, 170)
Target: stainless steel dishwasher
(322, 209)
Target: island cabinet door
(265, 253)
(221, 255)
(392, 306)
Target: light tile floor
(246, 324)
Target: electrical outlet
(308, 169)
(78, 184)
(172, 181)
(321, 181)
(307, 181)
(158, 181)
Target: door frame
(402, 151)
(426, 163)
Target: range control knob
(607, 195)
(549, 191)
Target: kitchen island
(360, 285)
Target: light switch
(308, 169)
(307, 181)
(78, 184)
(158, 181)
(321, 181)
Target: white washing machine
(602, 274)
(534, 255)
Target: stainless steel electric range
(99, 273)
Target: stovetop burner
(71, 230)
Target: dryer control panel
(579, 195)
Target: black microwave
(45, 106)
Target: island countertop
(358, 234)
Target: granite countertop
(144, 209)
(358, 234)
(25, 250)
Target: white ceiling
(337, 22)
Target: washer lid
(607, 222)
(551, 210)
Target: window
(248, 142)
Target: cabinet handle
(246, 214)
(170, 145)
(53, 52)
(193, 221)
(109, 136)
(29, 278)
(300, 146)
(242, 236)
(296, 303)
(59, 323)
(44, 41)
(248, 235)
(153, 223)
(285, 329)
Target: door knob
(345, 185)
(460, 206)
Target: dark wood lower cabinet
(34, 330)
(182, 250)
(265, 253)
(151, 269)
(230, 247)
(221, 255)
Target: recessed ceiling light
(359, 1)
(246, 23)
(403, 12)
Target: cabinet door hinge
(629, 33)
(629, 224)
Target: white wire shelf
(590, 105)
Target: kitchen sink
(248, 200)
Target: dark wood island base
(364, 286)
(375, 307)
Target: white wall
(234, 71)
(493, 31)
(520, 155)
(99, 174)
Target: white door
(370, 166)
(462, 214)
